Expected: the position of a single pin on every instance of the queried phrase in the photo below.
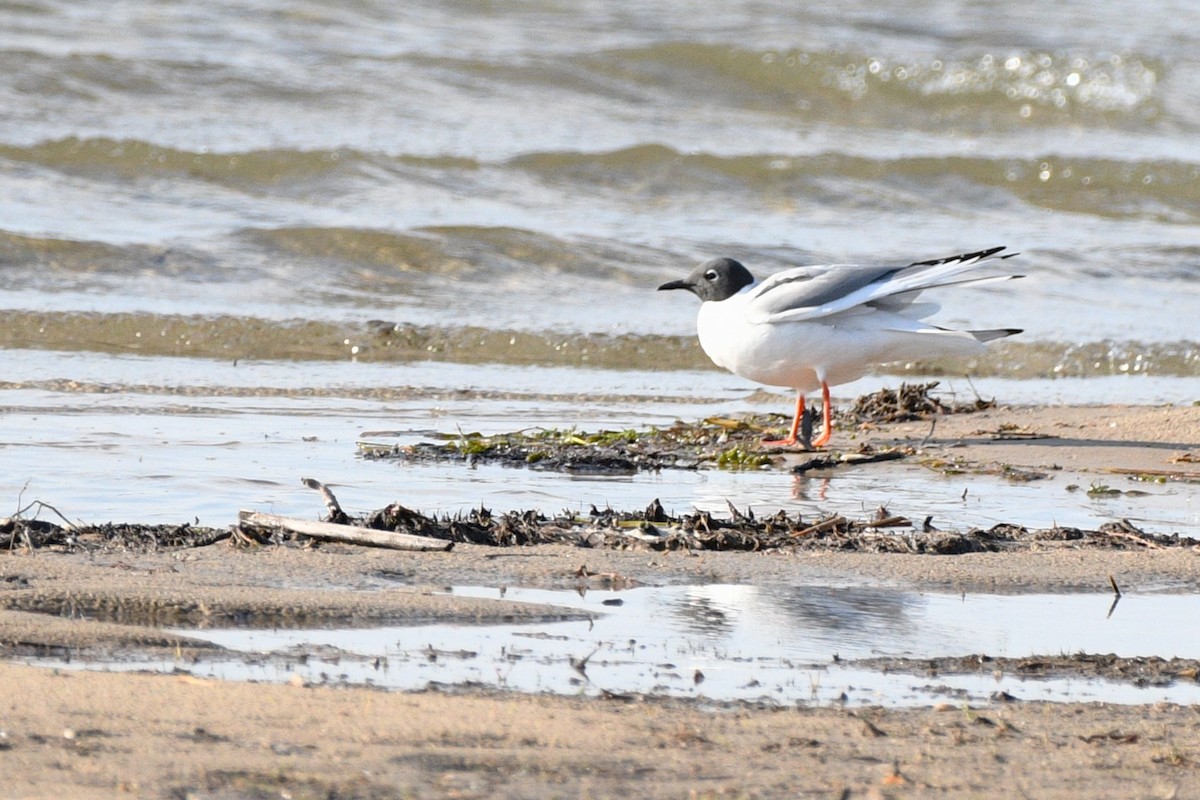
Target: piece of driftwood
(331, 503)
(848, 459)
(352, 534)
(1166, 474)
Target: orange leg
(791, 439)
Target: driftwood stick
(1169, 474)
(67, 524)
(825, 524)
(634, 533)
(331, 503)
(891, 521)
(848, 460)
(344, 533)
(1149, 544)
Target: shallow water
(125, 444)
(781, 645)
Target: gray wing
(805, 293)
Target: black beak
(675, 285)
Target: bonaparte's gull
(808, 328)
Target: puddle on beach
(723, 643)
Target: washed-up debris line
(652, 529)
(655, 529)
(1141, 671)
(720, 442)
(17, 533)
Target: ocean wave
(1017, 85)
(49, 255)
(284, 171)
(1162, 190)
(505, 254)
(132, 159)
(360, 246)
(99, 76)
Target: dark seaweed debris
(655, 529)
(911, 401)
(17, 533)
(716, 442)
(651, 529)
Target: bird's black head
(716, 279)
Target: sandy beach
(101, 735)
(87, 734)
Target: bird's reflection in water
(855, 615)
(809, 488)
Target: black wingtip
(978, 255)
(995, 333)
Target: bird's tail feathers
(972, 281)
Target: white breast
(768, 354)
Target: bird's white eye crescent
(711, 275)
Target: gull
(809, 328)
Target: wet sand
(1103, 439)
(85, 734)
(72, 734)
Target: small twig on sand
(1116, 597)
(22, 531)
(823, 525)
(21, 513)
(580, 664)
(971, 383)
(331, 504)
(1133, 537)
(932, 427)
(869, 728)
